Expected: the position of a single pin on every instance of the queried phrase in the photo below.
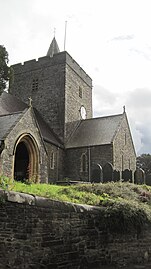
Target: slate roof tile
(7, 122)
(96, 131)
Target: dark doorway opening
(21, 168)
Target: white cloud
(139, 109)
(139, 99)
(123, 38)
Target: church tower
(60, 89)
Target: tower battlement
(59, 58)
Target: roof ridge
(101, 117)
(9, 114)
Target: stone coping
(33, 200)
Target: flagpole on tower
(65, 35)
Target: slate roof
(10, 104)
(53, 49)
(12, 109)
(7, 122)
(46, 132)
(96, 131)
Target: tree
(144, 162)
(4, 69)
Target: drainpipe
(89, 156)
(57, 163)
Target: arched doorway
(21, 166)
(26, 159)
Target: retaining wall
(41, 233)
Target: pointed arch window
(52, 160)
(84, 162)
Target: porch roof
(7, 122)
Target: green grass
(91, 194)
(124, 206)
(61, 193)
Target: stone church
(47, 130)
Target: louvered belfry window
(35, 84)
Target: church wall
(124, 152)
(98, 155)
(61, 162)
(73, 169)
(26, 125)
(101, 155)
(55, 171)
(73, 101)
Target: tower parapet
(59, 58)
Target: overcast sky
(110, 39)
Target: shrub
(6, 183)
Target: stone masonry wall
(73, 169)
(98, 155)
(101, 155)
(40, 233)
(73, 101)
(57, 172)
(124, 152)
(48, 97)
